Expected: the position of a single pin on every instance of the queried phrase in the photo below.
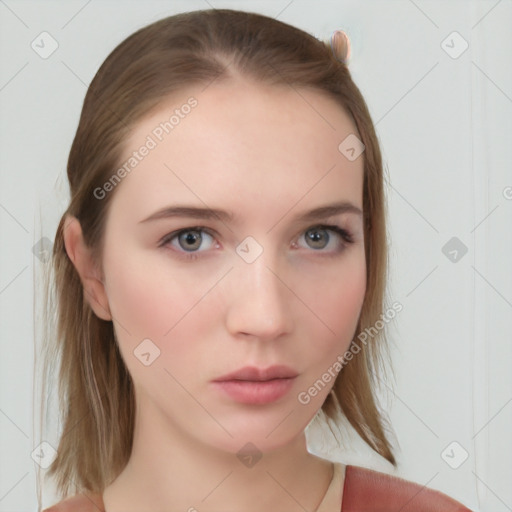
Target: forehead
(241, 143)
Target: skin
(267, 153)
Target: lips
(256, 386)
(254, 374)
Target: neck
(169, 470)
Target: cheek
(337, 302)
(138, 305)
(344, 303)
(168, 307)
(149, 297)
(335, 294)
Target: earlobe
(80, 256)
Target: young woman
(223, 249)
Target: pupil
(317, 236)
(191, 238)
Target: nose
(260, 302)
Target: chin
(267, 430)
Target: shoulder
(366, 490)
(79, 503)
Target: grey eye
(317, 238)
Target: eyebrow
(194, 212)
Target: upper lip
(252, 373)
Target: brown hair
(96, 392)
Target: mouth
(255, 391)
(253, 373)
(252, 385)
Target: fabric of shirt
(352, 489)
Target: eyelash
(193, 255)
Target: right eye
(187, 240)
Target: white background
(446, 133)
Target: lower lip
(255, 392)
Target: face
(194, 298)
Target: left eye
(318, 237)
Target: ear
(80, 255)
